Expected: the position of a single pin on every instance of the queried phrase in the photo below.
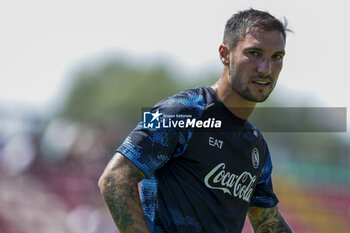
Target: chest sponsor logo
(215, 142)
(239, 186)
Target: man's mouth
(261, 83)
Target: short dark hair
(236, 26)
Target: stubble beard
(237, 85)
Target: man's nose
(264, 67)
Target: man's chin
(257, 99)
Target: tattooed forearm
(118, 186)
(267, 220)
(117, 205)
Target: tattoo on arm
(119, 188)
(267, 220)
(117, 206)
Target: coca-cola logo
(239, 186)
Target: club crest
(255, 158)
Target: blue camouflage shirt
(199, 179)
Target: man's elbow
(101, 183)
(107, 180)
(119, 173)
(109, 174)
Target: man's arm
(118, 185)
(267, 220)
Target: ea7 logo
(215, 142)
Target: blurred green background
(49, 171)
(51, 157)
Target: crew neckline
(217, 99)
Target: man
(205, 180)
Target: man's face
(256, 63)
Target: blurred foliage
(117, 89)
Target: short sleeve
(150, 148)
(263, 195)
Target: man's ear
(224, 54)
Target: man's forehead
(266, 38)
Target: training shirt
(199, 179)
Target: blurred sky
(43, 42)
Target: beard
(240, 86)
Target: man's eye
(254, 53)
(278, 57)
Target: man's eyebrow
(259, 49)
(281, 52)
(253, 48)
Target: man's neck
(239, 106)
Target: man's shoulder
(189, 97)
(256, 131)
(191, 100)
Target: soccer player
(206, 172)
